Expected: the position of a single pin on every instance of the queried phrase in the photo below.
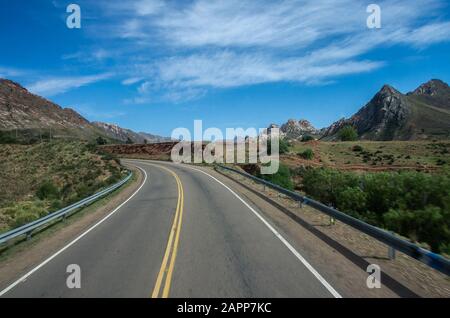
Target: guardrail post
(391, 253)
(332, 221)
(29, 235)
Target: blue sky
(154, 65)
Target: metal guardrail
(28, 228)
(431, 259)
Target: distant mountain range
(390, 115)
(30, 114)
(124, 135)
(423, 113)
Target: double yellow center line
(170, 255)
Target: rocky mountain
(390, 115)
(434, 92)
(31, 115)
(19, 109)
(295, 129)
(154, 138)
(125, 135)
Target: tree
(129, 141)
(101, 141)
(282, 177)
(308, 154)
(348, 133)
(307, 138)
(47, 190)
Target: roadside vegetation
(396, 195)
(282, 177)
(413, 204)
(41, 178)
(307, 154)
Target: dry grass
(375, 155)
(74, 169)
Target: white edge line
(24, 277)
(280, 237)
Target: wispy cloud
(95, 55)
(92, 113)
(228, 69)
(180, 50)
(132, 80)
(8, 72)
(57, 85)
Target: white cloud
(186, 48)
(428, 34)
(148, 7)
(58, 85)
(8, 72)
(131, 80)
(227, 69)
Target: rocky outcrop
(296, 129)
(435, 87)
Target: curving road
(182, 234)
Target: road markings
(279, 236)
(24, 277)
(172, 244)
(273, 230)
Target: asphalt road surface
(182, 234)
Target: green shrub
(307, 138)
(282, 178)
(352, 200)
(348, 133)
(357, 148)
(23, 218)
(413, 204)
(24, 212)
(308, 154)
(47, 191)
(101, 141)
(428, 225)
(109, 156)
(283, 147)
(7, 138)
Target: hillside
(26, 116)
(36, 179)
(421, 155)
(31, 114)
(391, 115)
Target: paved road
(183, 234)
